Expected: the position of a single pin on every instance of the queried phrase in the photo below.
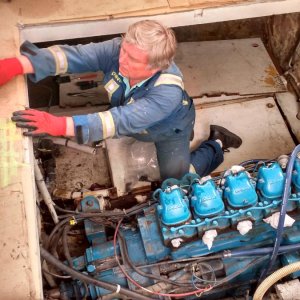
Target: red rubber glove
(40, 123)
(9, 68)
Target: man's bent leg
(207, 157)
(173, 156)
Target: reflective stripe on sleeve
(169, 79)
(60, 59)
(108, 124)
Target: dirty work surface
(76, 170)
(259, 124)
(290, 107)
(229, 67)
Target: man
(145, 87)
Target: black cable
(65, 245)
(85, 278)
(66, 210)
(192, 259)
(255, 162)
(144, 274)
(54, 230)
(56, 275)
(58, 226)
(110, 213)
(238, 272)
(55, 240)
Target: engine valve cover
(173, 208)
(206, 199)
(239, 190)
(270, 181)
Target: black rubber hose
(55, 229)
(261, 251)
(253, 161)
(85, 278)
(144, 274)
(55, 241)
(65, 245)
(183, 260)
(111, 213)
(251, 264)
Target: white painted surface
(227, 67)
(52, 32)
(261, 128)
(290, 107)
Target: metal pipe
(64, 194)
(44, 192)
(261, 251)
(70, 144)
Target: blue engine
(174, 227)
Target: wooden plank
(19, 246)
(31, 12)
(205, 3)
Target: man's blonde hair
(156, 39)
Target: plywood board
(205, 3)
(34, 12)
(230, 67)
(290, 107)
(20, 274)
(259, 124)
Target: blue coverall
(159, 110)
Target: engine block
(195, 217)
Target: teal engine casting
(209, 234)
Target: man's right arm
(11, 67)
(26, 64)
(60, 59)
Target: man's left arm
(40, 123)
(118, 121)
(132, 118)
